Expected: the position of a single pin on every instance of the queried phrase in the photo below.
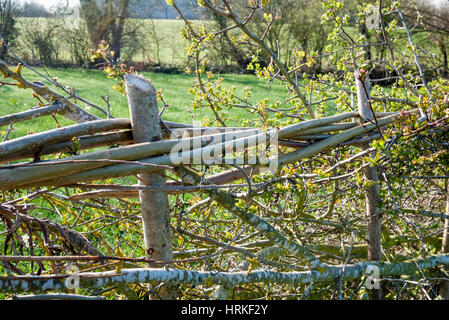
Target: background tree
(296, 25)
(434, 20)
(39, 38)
(8, 19)
(106, 21)
(34, 9)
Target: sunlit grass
(92, 85)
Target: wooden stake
(444, 287)
(370, 172)
(146, 127)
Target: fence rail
(145, 145)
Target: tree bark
(117, 30)
(146, 127)
(444, 58)
(38, 140)
(106, 22)
(364, 32)
(74, 112)
(55, 282)
(444, 288)
(57, 108)
(120, 170)
(372, 190)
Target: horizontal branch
(15, 176)
(78, 258)
(185, 157)
(177, 276)
(299, 128)
(335, 140)
(330, 128)
(73, 238)
(332, 141)
(83, 143)
(98, 140)
(73, 170)
(57, 296)
(425, 213)
(74, 112)
(122, 192)
(38, 140)
(57, 108)
(106, 194)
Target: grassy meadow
(158, 41)
(162, 43)
(92, 85)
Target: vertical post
(370, 172)
(444, 287)
(146, 127)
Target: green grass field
(158, 41)
(91, 85)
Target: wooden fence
(143, 145)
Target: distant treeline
(159, 9)
(141, 9)
(139, 33)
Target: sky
(436, 2)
